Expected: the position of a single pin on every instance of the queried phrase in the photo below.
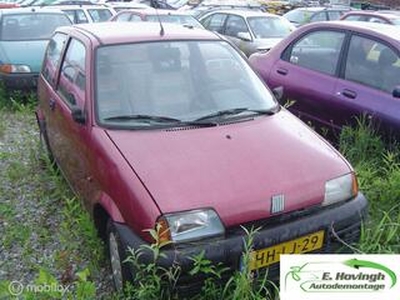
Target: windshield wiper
(142, 118)
(236, 111)
(159, 119)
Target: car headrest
(387, 57)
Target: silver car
(251, 31)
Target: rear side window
(73, 74)
(372, 64)
(318, 51)
(53, 57)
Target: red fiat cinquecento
(170, 125)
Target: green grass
(378, 169)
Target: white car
(87, 13)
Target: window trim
(54, 82)
(57, 87)
(346, 53)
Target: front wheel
(117, 256)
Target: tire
(117, 254)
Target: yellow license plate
(268, 256)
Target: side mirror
(78, 115)
(245, 36)
(278, 93)
(396, 92)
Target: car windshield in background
(177, 19)
(298, 16)
(100, 15)
(267, 27)
(37, 26)
(395, 22)
(175, 81)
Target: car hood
(29, 53)
(234, 168)
(266, 44)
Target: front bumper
(20, 81)
(341, 223)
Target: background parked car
(175, 131)
(24, 34)
(119, 5)
(372, 16)
(151, 15)
(337, 71)
(304, 15)
(250, 31)
(87, 13)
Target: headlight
(190, 225)
(7, 68)
(340, 189)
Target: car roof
(78, 6)
(123, 32)
(372, 13)
(163, 12)
(387, 30)
(28, 10)
(241, 12)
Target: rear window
(33, 26)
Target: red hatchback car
(171, 126)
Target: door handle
(52, 104)
(349, 94)
(282, 71)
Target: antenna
(159, 21)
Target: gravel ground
(37, 228)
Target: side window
(100, 15)
(334, 15)
(373, 64)
(216, 22)
(135, 18)
(354, 18)
(73, 75)
(319, 16)
(53, 57)
(124, 17)
(234, 25)
(377, 20)
(318, 51)
(77, 16)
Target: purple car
(337, 71)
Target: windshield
(181, 80)
(32, 26)
(269, 27)
(177, 19)
(298, 16)
(395, 21)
